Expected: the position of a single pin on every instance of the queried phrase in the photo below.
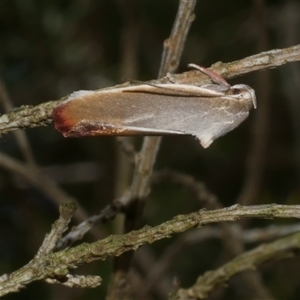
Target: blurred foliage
(49, 49)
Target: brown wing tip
(71, 124)
(62, 122)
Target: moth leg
(216, 78)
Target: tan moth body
(204, 112)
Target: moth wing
(149, 111)
(207, 113)
(205, 118)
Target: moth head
(244, 92)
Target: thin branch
(20, 136)
(78, 281)
(57, 265)
(174, 45)
(166, 261)
(282, 248)
(172, 52)
(145, 159)
(27, 116)
(231, 234)
(41, 115)
(58, 228)
(130, 40)
(41, 267)
(39, 180)
(79, 231)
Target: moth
(206, 112)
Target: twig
(166, 261)
(129, 41)
(231, 233)
(66, 212)
(173, 46)
(41, 115)
(43, 266)
(79, 231)
(56, 265)
(125, 144)
(172, 52)
(282, 248)
(40, 181)
(27, 116)
(145, 159)
(130, 38)
(20, 136)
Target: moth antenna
(216, 78)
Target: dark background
(49, 49)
